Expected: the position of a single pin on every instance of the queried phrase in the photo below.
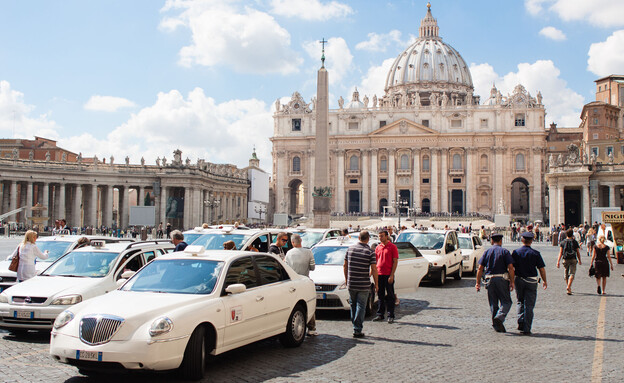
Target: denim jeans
(526, 293)
(498, 292)
(385, 294)
(358, 308)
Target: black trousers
(385, 294)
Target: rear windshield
(465, 243)
(82, 264)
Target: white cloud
(108, 103)
(339, 60)
(380, 42)
(553, 33)
(247, 40)
(607, 57)
(601, 13)
(310, 9)
(16, 119)
(562, 104)
(374, 81)
(196, 124)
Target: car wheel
(370, 305)
(458, 275)
(194, 362)
(442, 279)
(474, 267)
(295, 328)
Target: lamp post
(398, 204)
(260, 210)
(211, 204)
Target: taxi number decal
(236, 314)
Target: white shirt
(301, 260)
(27, 253)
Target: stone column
(124, 206)
(29, 202)
(392, 176)
(107, 208)
(560, 204)
(77, 216)
(93, 202)
(45, 201)
(13, 203)
(612, 190)
(340, 190)
(416, 174)
(141, 196)
(434, 170)
(498, 178)
(163, 206)
(553, 210)
(586, 203)
(471, 190)
(61, 201)
(374, 180)
(444, 192)
(186, 221)
(281, 171)
(197, 219)
(365, 180)
(536, 198)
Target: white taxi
(472, 250)
(182, 307)
(328, 275)
(440, 248)
(312, 236)
(79, 275)
(243, 239)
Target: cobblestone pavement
(441, 334)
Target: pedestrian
(497, 264)
(229, 245)
(27, 252)
(159, 233)
(527, 262)
(569, 251)
(591, 241)
(387, 256)
(177, 238)
(277, 248)
(359, 265)
(599, 260)
(302, 261)
(168, 230)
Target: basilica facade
(428, 142)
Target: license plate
(24, 314)
(321, 295)
(89, 355)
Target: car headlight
(67, 300)
(161, 326)
(4, 298)
(64, 318)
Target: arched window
(457, 162)
(520, 161)
(483, 162)
(425, 164)
(404, 162)
(354, 163)
(383, 164)
(296, 164)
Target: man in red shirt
(387, 259)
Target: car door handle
(292, 289)
(259, 299)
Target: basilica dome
(429, 65)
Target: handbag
(592, 271)
(15, 261)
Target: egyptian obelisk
(322, 191)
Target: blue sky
(144, 77)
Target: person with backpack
(569, 251)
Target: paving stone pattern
(441, 334)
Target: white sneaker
(312, 333)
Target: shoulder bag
(15, 261)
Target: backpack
(568, 250)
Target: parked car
(328, 275)
(261, 238)
(57, 246)
(75, 277)
(440, 248)
(472, 250)
(312, 236)
(182, 307)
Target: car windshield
(329, 255)
(309, 239)
(177, 276)
(465, 243)
(214, 241)
(423, 240)
(82, 264)
(56, 248)
(191, 237)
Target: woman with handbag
(27, 252)
(601, 261)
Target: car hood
(41, 286)
(328, 275)
(39, 266)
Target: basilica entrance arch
(382, 202)
(520, 196)
(426, 205)
(296, 197)
(572, 205)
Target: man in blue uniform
(527, 261)
(497, 264)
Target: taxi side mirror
(235, 288)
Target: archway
(296, 205)
(520, 196)
(354, 201)
(382, 202)
(572, 205)
(426, 206)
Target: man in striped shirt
(359, 265)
